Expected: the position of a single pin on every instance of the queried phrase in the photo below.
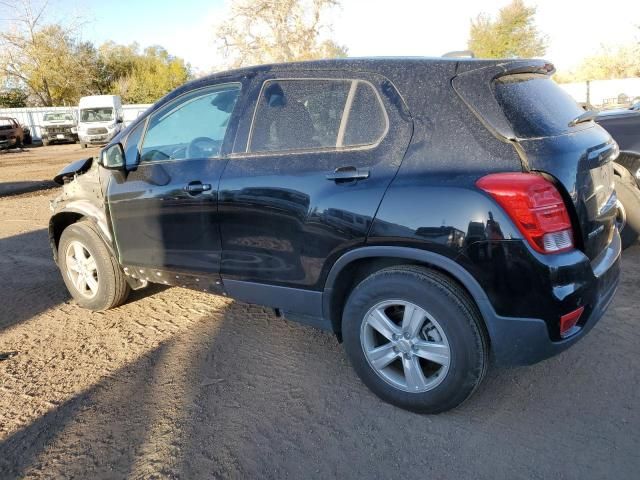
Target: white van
(99, 119)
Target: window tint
(314, 114)
(194, 128)
(535, 106)
(131, 147)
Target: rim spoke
(78, 251)
(92, 284)
(379, 321)
(412, 319)
(72, 266)
(90, 264)
(78, 281)
(434, 352)
(413, 373)
(382, 356)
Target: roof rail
(459, 54)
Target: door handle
(348, 173)
(197, 187)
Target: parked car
(100, 119)
(59, 127)
(624, 126)
(433, 213)
(27, 138)
(11, 133)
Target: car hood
(58, 124)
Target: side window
(317, 114)
(131, 147)
(194, 128)
(367, 120)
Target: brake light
(536, 207)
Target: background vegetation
(45, 63)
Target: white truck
(58, 127)
(100, 118)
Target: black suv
(433, 213)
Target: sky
(575, 28)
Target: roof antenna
(459, 54)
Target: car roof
(366, 63)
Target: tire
(455, 321)
(111, 288)
(83, 145)
(629, 198)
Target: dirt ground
(33, 167)
(181, 384)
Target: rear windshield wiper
(584, 117)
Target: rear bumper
(574, 282)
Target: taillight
(536, 207)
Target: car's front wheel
(415, 338)
(91, 274)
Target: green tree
(154, 74)
(52, 64)
(610, 62)
(13, 98)
(512, 34)
(264, 31)
(49, 60)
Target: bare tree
(266, 31)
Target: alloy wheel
(405, 346)
(82, 269)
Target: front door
(164, 213)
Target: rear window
(317, 114)
(535, 106)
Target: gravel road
(181, 384)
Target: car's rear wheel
(628, 211)
(415, 338)
(91, 274)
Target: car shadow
(243, 394)
(8, 189)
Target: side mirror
(119, 120)
(113, 157)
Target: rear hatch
(520, 103)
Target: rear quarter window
(535, 106)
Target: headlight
(74, 130)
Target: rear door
(314, 155)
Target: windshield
(56, 117)
(96, 114)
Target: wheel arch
(357, 264)
(73, 213)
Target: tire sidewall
(629, 196)
(467, 356)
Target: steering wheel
(203, 147)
